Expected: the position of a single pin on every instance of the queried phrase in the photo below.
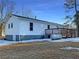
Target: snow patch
(5, 43)
(34, 40)
(66, 40)
(70, 48)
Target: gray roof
(5, 20)
(37, 19)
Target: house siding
(15, 29)
(23, 37)
(17, 38)
(29, 37)
(21, 29)
(38, 27)
(9, 37)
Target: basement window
(31, 26)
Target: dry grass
(39, 50)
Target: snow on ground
(70, 48)
(4, 42)
(66, 40)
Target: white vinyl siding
(21, 26)
(13, 24)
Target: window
(48, 26)
(8, 26)
(31, 26)
(11, 25)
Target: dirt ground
(39, 50)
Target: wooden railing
(63, 31)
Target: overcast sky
(49, 10)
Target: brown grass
(39, 50)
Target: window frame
(8, 26)
(48, 26)
(31, 26)
(11, 25)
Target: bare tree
(72, 5)
(6, 7)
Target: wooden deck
(63, 31)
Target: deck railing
(63, 31)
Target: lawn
(39, 50)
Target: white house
(17, 28)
